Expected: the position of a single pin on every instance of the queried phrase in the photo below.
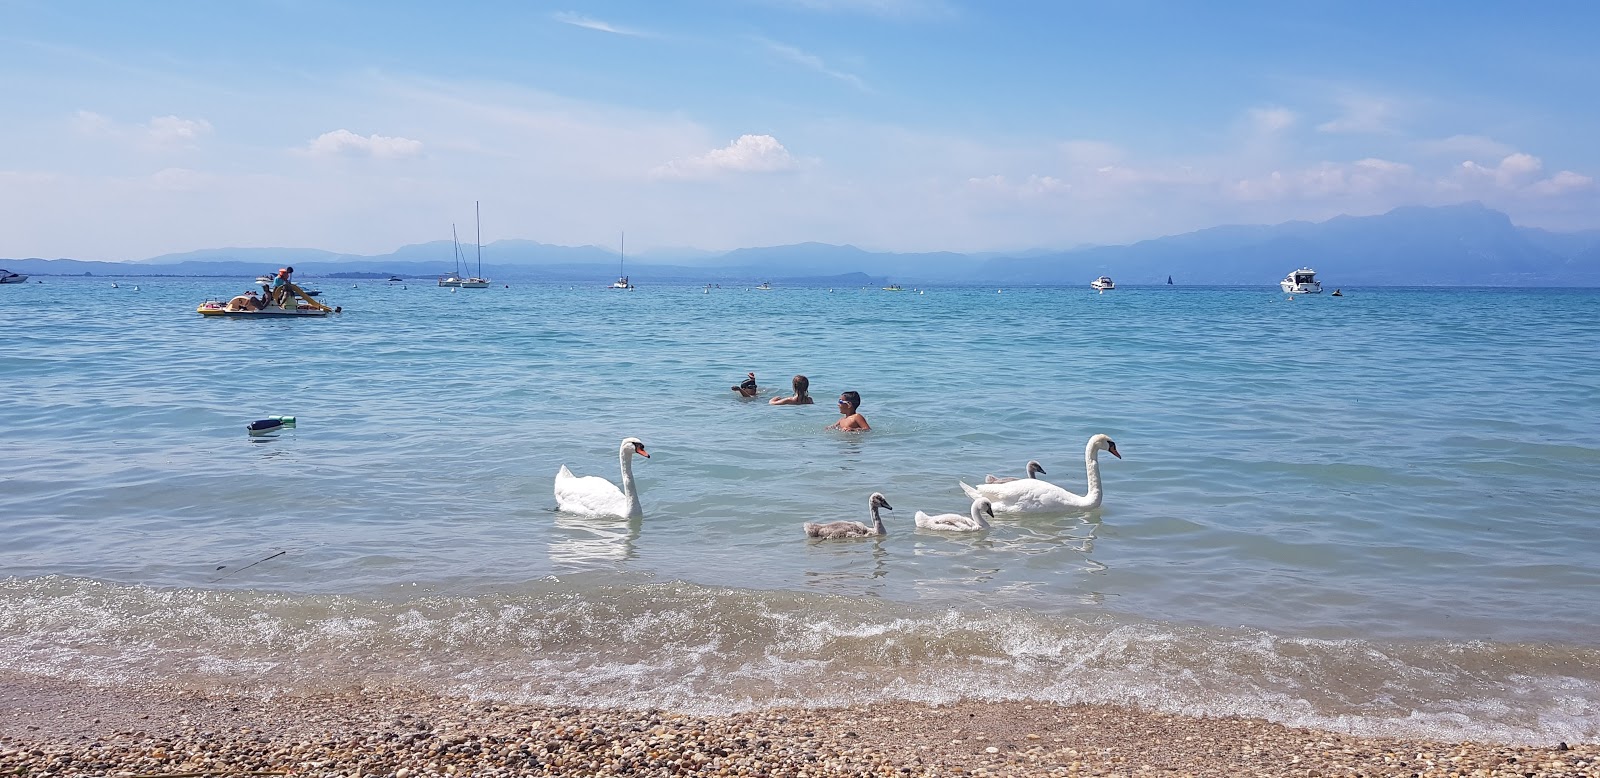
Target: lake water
(1374, 513)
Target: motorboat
(1103, 283)
(1302, 281)
(764, 287)
(893, 288)
(450, 280)
(8, 277)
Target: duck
(1032, 468)
(594, 496)
(835, 530)
(1032, 495)
(955, 522)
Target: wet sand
(68, 729)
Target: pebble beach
(60, 728)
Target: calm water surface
(1374, 513)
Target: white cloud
(1362, 114)
(1564, 182)
(161, 132)
(1270, 121)
(176, 130)
(346, 143)
(1032, 186)
(578, 20)
(748, 154)
(1466, 145)
(1366, 177)
(813, 62)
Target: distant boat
(396, 278)
(893, 288)
(764, 287)
(8, 277)
(1102, 283)
(622, 281)
(1302, 281)
(454, 279)
(1337, 293)
(1169, 280)
(477, 281)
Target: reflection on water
(586, 541)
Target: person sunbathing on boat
(247, 302)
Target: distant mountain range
(1467, 244)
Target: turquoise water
(1373, 513)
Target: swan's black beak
(884, 504)
(989, 509)
(1039, 470)
(1112, 447)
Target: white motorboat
(1302, 281)
(1102, 283)
(8, 277)
(764, 287)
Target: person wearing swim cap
(747, 387)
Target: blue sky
(135, 129)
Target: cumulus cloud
(159, 132)
(748, 154)
(578, 20)
(1520, 173)
(1562, 183)
(343, 142)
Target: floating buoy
(113, 284)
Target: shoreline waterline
(79, 729)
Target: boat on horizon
(622, 281)
(765, 286)
(1103, 283)
(893, 288)
(8, 277)
(477, 281)
(1302, 281)
(454, 278)
(1169, 280)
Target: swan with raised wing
(1032, 495)
(955, 522)
(834, 530)
(592, 495)
(1034, 471)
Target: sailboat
(477, 281)
(1169, 280)
(622, 256)
(454, 279)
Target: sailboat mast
(622, 255)
(477, 217)
(456, 241)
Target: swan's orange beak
(1112, 447)
(638, 449)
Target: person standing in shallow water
(849, 402)
(802, 387)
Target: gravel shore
(67, 729)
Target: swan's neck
(877, 522)
(977, 517)
(1091, 462)
(628, 490)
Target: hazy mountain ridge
(1466, 244)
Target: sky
(134, 129)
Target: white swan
(852, 529)
(1034, 471)
(1035, 496)
(955, 522)
(592, 495)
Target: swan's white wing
(948, 522)
(1029, 495)
(589, 495)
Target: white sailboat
(477, 281)
(622, 256)
(454, 279)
